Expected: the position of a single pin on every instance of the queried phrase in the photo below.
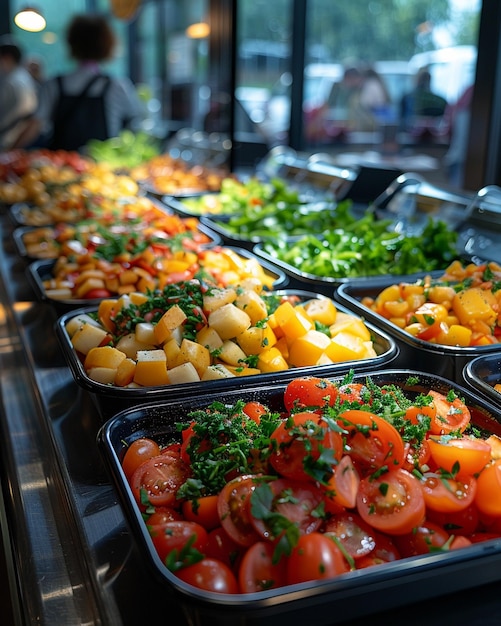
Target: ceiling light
(30, 19)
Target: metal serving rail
(70, 554)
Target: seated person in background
(374, 96)
(86, 103)
(18, 95)
(344, 102)
(421, 101)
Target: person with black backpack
(86, 103)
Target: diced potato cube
(231, 353)
(130, 345)
(171, 319)
(255, 339)
(104, 356)
(89, 285)
(209, 338)
(151, 368)
(88, 337)
(229, 321)
(145, 333)
(217, 372)
(253, 305)
(193, 352)
(321, 310)
(272, 361)
(182, 374)
(75, 323)
(104, 375)
(242, 370)
(216, 298)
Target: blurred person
(86, 103)
(374, 96)
(35, 67)
(455, 158)
(18, 95)
(421, 101)
(344, 105)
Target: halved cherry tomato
(342, 488)
(392, 503)
(158, 479)
(488, 496)
(416, 456)
(254, 410)
(472, 455)
(423, 539)
(372, 441)
(162, 515)
(94, 294)
(351, 392)
(234, 512)
(449, 493)
(452, 415)
(415, 414)
(309, 391)
(258, 572)
(202, 510)
(175, 535)
(222, 547)
(211, 575)
(138, 452)
(315, 557)
(355, 535)
(464, 522)
(299, 442)
(295, 500)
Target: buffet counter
(73, 558)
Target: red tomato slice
(471, 454)
(254, 410)
(464, 522)
(309, 392)
(203, 511)
(222, 547)
(355, 535)
(372, 442)
(138, 452)
(295, 500)
(315, 557)
(211, 575)
(449, 494)
(426, 537)
(297, 444)
(392, 503)
(234, 512)
(342, 488)
(158, 480)
(451, 416)
(257, 572)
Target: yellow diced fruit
(231, 353)
(151, 368)
(475, 304)
(322, 310)
(455, 335)
(193, 352)
(217, 372)
(182, 374)
(242, 370)
(291, 322)
(216, 298)
(345, 347)
(272, 361)
(105, 356)
(346, 322)
(138, 298)
(172, 350)
(125, 373)
(129, 345)
(103, 375)
(283, 346)
(145, 333)
(307, 349)
(88, 337)
(209, 338)
(105, 310)
(255, 339)
(75, 323)
(253, 305)
(229, 321)
(89, 285)
(170, 320)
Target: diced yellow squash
(217, 372)
(125, 373)
(283, 346)
(322, 310)
(345, 347)
(253, 305)
(104, 356)
(307, 349)
(171, 319)
(193, 352)
(455, 335)
(138, 298)
(129, 345)
(75, 323)
(182, 374)
(104, 375)
(128, 277)
(151, 368)
(88, 337)
(475, 304)
(229, 321)
(172, 350)
(272, 361)
(345, 322)
(105, 310)
(145, 333)
(209, 338)
(231, 353)
(256, 339)
(291, 322)
(88, 285)
(242, 370)
(59, 293)
(216, 298)
(252, 283)
(324, 360)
